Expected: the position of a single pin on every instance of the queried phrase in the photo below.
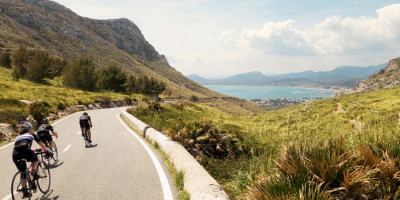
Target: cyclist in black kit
(22, 151)
(44, 132)
(86, 122)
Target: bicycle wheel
(16, 187)
(54, 157)
(44, 179)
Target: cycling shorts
(45, 136)
(84, 124)
(19, 155)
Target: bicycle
(86, 137)
(51, 157)
(42, 182)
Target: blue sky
(219, 38)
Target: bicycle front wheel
(17, 192)
(44, 179)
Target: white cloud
(335, 35)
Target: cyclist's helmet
(25, 126)
(85, 113)
(45, 120)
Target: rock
(97, 105)
(5, 131)
(27, 102)
(91, 107)
(52, 117)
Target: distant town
(273, 104)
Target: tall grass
(366, 120)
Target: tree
(5, 60)
(130, 84)
(111, 78)
(35, 65)
(80, 74)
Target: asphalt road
(117, 166)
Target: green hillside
(362, 119)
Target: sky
(221, 38)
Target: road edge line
(161, 174)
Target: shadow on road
(47, 196)
(56, 165)
(91, 146)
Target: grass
(12, 110)
(362, 119)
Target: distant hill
(48, 26)
(345, 76)
(385, 78)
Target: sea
(271, 92)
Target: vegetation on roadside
(364, 120)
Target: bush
(80, 74)
(111, 78)
(11, 116)
(32, 65)
(103, 100)
(205, 138)
(39, 110)
(5, 60)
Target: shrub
(5, 60)
(39, 110)
(11, 116)
(32, 65)
(111, 78)
(103, 100)
(80, 74)
(205, 138)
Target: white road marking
(163, 178)
(6, 145)
(7, 197)
(66, 148)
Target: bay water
(270, 92)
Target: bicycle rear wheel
(54, 157)
(16, 187)
(44, 179)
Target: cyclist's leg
(20, 164)
(32, 157)
(49, 140)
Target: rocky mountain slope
(49, 26)
(386, 78)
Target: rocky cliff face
(47, 16)
(386, 78)
(49, 26)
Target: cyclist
(44, 132)
(86, 122)
(22, 151)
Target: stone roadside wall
(198, 182)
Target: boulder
(5, 131)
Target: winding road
(118, 165)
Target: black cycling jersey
(84, 121)
(84, 117)
(25, 141)
(22, 150)
(44, 132)
(45, 128)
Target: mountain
(348, 76)
(385, 78)
(51, 27)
